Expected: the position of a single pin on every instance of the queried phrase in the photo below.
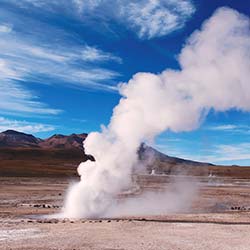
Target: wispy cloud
(5, 28)
(232, 128)
(71, 66)
(42, 53)
(155, 18)
(87, 4)
(217, 154)
(38, 53)
(35, 55)
(79, 120)
(93, 54)
(228, 153)
(24, 126)
(15, 99)
(147, 18)
(225, 127)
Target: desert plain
(34, 182)
(219, 218)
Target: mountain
(14, 139)
(59, 155)
(64, 142)
(162, 163)
(148, 155)
(151, 155)
(25, 155)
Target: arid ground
(219, 219)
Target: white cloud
(24, 126)
(37, 56)
(6, 72)
(15, 99)
(224, 127)
(5, 28)
(155, 18)
(228, 153)
(232, 128)
(216, 154)
(67, 55)
(87, 4)
(72, 66)
(41, 53)
(147, 18)
(93, 54)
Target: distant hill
(15, 139)
(64, 141)
(162, 163)
(26, 155)
(59, 155)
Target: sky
(61, 63)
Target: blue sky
(61, 63)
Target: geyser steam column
(214, 74)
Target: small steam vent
(153, 172)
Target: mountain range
(59, 155)
(15, 139)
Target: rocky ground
(219, 219)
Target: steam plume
(214, 75)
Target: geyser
(214, 75)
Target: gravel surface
(126, 235)
(212, 225)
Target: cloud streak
(146, 18)
(33, 55)
(216, 154)
(24, 126)
(154, 18)
(232, 128)
(5, 28)
(93, 54)
(15, 99)
(72, 66)
(228, 153)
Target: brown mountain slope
(14, 139)
(59, 155)
(64, 142)
(25, 155)
(40, 162)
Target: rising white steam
(214, 74)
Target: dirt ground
(219, 219)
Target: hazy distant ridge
(15, 139)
